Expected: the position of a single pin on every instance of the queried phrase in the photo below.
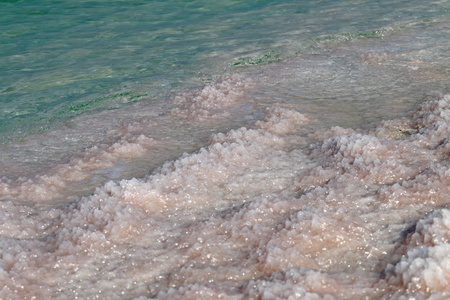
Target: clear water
(124, 174)
(61, 59)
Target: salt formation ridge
(256, 214)
(210, 101)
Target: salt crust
(209, 102)
(424, 272)
(50, 185)
(249, 217)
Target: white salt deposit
(424, 270)
(209, 102)
(51, 184)
(255, 214)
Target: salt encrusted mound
(281, 120)
(433, 121)
(253, 216)
(424, 271)
(209, 102)
(50, 185)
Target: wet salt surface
(352, 215)
(284, 207)
(152, 134)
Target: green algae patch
(101, 102)
(268, 57)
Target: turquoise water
(61, 59)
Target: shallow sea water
(241, 150)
